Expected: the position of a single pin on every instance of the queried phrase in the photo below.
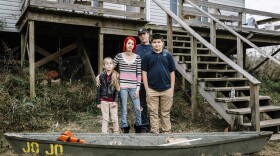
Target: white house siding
(156, 15)
(236, 3)
(9, 12)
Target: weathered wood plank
(133, 3)
(240, 54)
(32, 58)
(23, 42)
(220, 89)
(100, 5)
(235, 33)
(194, 68)
(169, 33)
(84, 8)
(100, 51)
(255, 107)
(235, 9)
(268, 20)
(238, 99)
(213, 33)
(87, 61)
(238, 111)
(118, 31)
(191, 11)
(56, 55)
(44, 53)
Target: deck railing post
(32, 58)
(240, 54)
(169, 33)
(142, 10)
(100, 5)
(240, 15)
(213, 34)
(254, 104)
(180, 8)
(194, 98)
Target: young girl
(130, 81)
(108, 95)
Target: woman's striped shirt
(130, 71)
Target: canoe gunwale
(263, 134)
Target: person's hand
(136, 94)
(114, 104)
(98, 106)
(97, 81)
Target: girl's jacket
(105, 89)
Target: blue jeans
(136, 104)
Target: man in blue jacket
(142, 49)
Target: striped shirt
(130, 71)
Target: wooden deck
(112, 21)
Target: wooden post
(100, 51)
(180, 8)
(240, 54)
(100, 5)
(22, 48)
(183, 79)
(169, 34)
(240, 16)
(142, 10)
(194, 98)
(254, 104)
(213, 33)
(32, 58)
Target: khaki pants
(106, 109)
(160, 102)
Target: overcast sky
(264, 5)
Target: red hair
(125, 41)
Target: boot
(138, 129)
(145, 129)
(126, 129)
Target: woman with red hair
(130, 80)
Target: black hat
(142, 31)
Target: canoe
(217, 143)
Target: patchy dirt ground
(208, 121)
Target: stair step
(221, 79)
(237, 99)
(265, 123)
(200, 55)
(181, 47)
(213, 70)
(179, 41)
(242, 111)
(226, 88)
(201, 62)
(177, 35)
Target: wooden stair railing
(215, 81)
(254, 83)
(239, 37)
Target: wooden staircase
(216, 79)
